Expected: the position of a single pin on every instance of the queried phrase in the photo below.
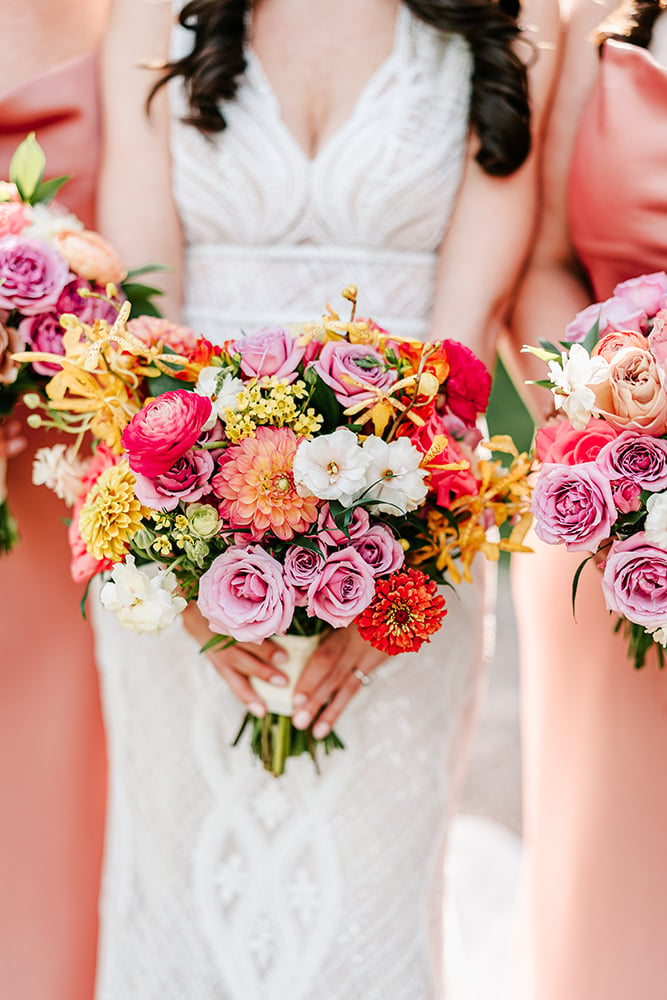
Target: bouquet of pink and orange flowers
(49, 265)
(288, 481)
(602, 488)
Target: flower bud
(32, 400)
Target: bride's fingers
(260, 660)
(240, 686)
(343, 697)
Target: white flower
(141, 602)
(222, 389)
(656, 520)
(59, 468)
(393, 475)
(331, 467)
(47, 221)
(658, 633)
(572, 382)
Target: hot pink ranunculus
(188, 480)
(647, 292)
(381, 552)
(344, 588)
(573, 505)
(640, 458)
(244, 595)
(353, 371)
(32, 275)
(634, 582)
(270, 351)
(160, 433)
(559, 442)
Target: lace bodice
(270, 233)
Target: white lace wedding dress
(220, 882)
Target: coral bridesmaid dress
(52, 763)
(596, 808)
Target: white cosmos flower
(579, 372)
(393, 475)
(59, 468)
(656, 520)
(331, 467)
(142, 602)
(221, 389)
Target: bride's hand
(240, 661)
(335, 671)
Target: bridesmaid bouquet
(288, 481)
(49, 265)
(602, 487)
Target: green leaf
(136, 272)
(546, 345)
(575, 583)
(140, 298)
(27, 166)
(47, 190)
(592, 337)
(223, 641)
(324, 401)
(163, 383)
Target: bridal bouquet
(602, 488)
(288, 481)
(49, 265)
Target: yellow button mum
(111, 514)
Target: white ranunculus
(142, 602)
(656, 520)
(331, 467)
(59, 468)
(222, 389)
(572, 381)
(394, 476)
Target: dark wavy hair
(632, 21)
(499, 111)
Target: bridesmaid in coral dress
(594, 730)
(52, 765)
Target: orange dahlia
(405, 612)
(256, 488)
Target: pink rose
(270, 351)
(187, 480)
(11, 342)
(468, 384)
(638, 457)
(90, 256)
(302, 567)
(164, 430)
(634, 582)
(355, 372)
(560, 443)
(244, 595)
(344, 588)
(574, 505)
(152, 330)
(381, 552)
(43, 333)
(657, 340)
(32, 275)
(613, 314)
(648, 292)
(633, 397)
(328, 534)
(13, 218)
(627, 495)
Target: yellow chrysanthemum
(111, 514)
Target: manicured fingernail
(278, 680)
(280, 656)
(301, 720)
(320, 730)
(300, 698)
(257, 709)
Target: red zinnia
(406, 610)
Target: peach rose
(90, 256)
(633, 398)
(609, 345)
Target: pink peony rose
(344, 588)
(32, 275)
(90, 256)
(355, 372)
(187, 480)
(627, 495)
(43, 333)
(634, 581)
(331, 536)
(633, 398)
(638, 457)
(302, 567)
(613, 314)
(164, 430)
(269, 351)
(573, 505)
(244, 595)
(381, 552)
(468, 384)
(647, 292)
(559, 442)
(13, 218)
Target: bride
(299, 146)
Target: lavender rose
(32, 275)
(243, 594)
(354, 371)
(573, 504)
(270, 351)
(188, 480)
(164, 430)
(344, 588)
(379, 550)
(634, 582)
(43, 333)
(638, 457)
(302, 567)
